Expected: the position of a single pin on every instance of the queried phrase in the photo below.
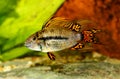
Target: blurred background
(18, 20)
(106, 13)
(21, 18)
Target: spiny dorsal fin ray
(55, 21)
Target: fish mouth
(27, 44)
(32, 46)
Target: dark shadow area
(7, 9)
(2, 42)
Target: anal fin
(77, 46)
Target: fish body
(58, 34)
(55, 37)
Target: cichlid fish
(59, 34)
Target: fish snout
(27, 44)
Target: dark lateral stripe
(53, 37)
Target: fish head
(33, 43)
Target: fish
(61, 33)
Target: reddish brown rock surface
(104, 12)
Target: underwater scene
(59, 39)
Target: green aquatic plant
(18, 20)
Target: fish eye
(34, 38)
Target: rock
(83, 70)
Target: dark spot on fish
(43, 31)
(53, 37)
(34, 38)
(82, 36)
(75, 23)
(37, 35)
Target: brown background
(106, 13)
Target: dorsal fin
(54, 21)
(74, 25)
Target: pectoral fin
(51, 56)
